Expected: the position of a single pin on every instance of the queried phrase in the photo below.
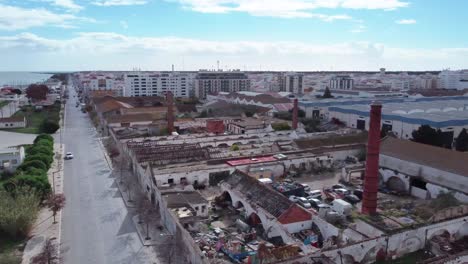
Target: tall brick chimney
(170, 112)
(371, 179)
(294, 117)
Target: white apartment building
(341, 82)
(213, 82)
(456, 80)
(291, 82)
(157, 84)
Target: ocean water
(22, 78)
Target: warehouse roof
(436, 113)
(431, 156)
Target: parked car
(352, 199)
(317, 194)
(338, 186)
(341, 191)
(68, 156)
(293, 198)
(306, 187)
(304, 202)
(358, 193)
(314, 202)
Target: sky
(288, 35)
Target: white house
(13, 122)
(11, 158)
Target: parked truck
(341, 207)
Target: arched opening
(239, 205)
(346, 259)
(462, 232)
(237, 143)
(442, 233)
(224, 200)
(396, 184)
(255, 222)
(223, 145)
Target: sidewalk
(44, 226)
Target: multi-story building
(291, 82)
(207, 82)
(341, 82)
(157, 84)
(457, 80)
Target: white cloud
(67, 4)
(14, 18)
(286, 9)
(111, 51)
(406, 21)
(124, 24)
(358, 29)
(119, 2)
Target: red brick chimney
(294, 117)
(170, 112)
(371, 179)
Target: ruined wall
(432, 175)
(397, 244)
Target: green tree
(32, 164)
(39, 184)
(47, 159)
(281, 126)
(45, 142)
(327, 93)
(428, 135)
(461, 144)
(234, 147)
(49, 127)
(40, 149)
(44, 136)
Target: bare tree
(55, 202)
(49, 254)
(147, 211)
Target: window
(203, 208)
(170, 181)
(196, 208)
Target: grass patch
(34, 119)
(3, 103)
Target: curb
(145, 242)
(126, 202)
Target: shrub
(40, 149)
(38, 183)
(234, 147)
(32, 164)
(47, 159)
(44, 142)
(18, 212)
(281, 126)
(49, 127)
(44, 136)
(35, 171)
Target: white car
(317, 194)
(293, 198)
(304, 202)
(68, 156)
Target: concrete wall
(431, 175)
(11, 158)
(396, 245)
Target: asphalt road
(96, 226)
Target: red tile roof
(12, 119)
(294, 214)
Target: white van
(265, 180)
(341, 207)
